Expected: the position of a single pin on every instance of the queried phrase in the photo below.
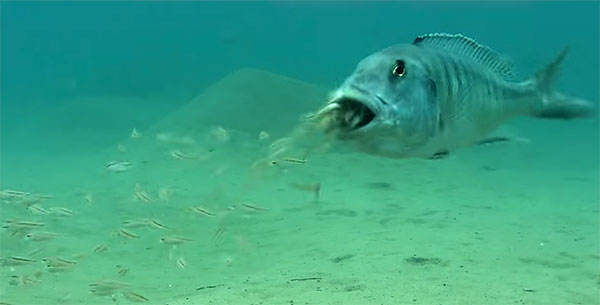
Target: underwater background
(135, 144)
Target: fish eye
(398, 70)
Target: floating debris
(108, 287)
(135, 134)
(220, 134)
(23, 280)
(88, 198)
(314, 188)
(172, 139)
(165, 194)
(28, 201)
(118, 166)
(264, 136)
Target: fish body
(440, 93)
(118, 166)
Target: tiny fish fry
(174, 240)
(118, 166)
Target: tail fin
(555, 105)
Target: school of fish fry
(50, 238)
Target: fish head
(388, 105)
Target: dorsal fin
(465, 46)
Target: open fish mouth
(347, 114)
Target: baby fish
(179, 155)
(27, 202)
(253, 207)
(174, 240)
(23, 280)
(218, 234)
(60, 211)
(110, 285)
(294, 160)
(135, 223)
(8, 194)
(118, 166)
(57, 262)
(36, 209)
(41, 236)
(29, 224)
(21, 227)
(127, 234)
(156, 224)
(203, 211)
(16, 260)
(42, 196)
(123, 271)
(143, 196)
(136, 297)
(182, 263)
(100, 248)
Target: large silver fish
(440, 93)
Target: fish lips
(350, 113)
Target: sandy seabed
(201, 223)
